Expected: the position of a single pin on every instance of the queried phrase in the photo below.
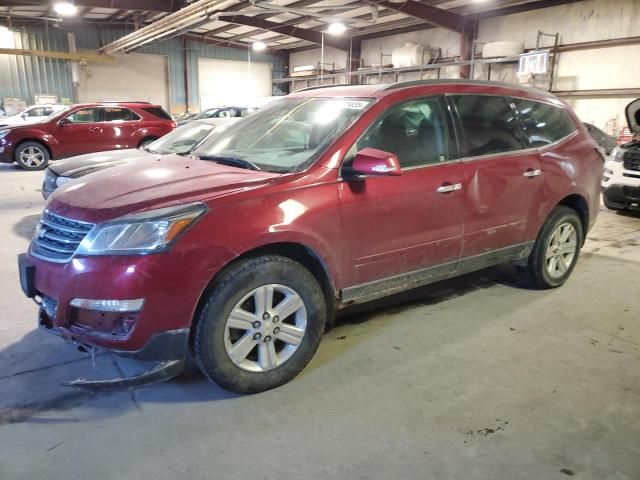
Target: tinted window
(158, 112)
(417, 132)
(489, 125)
(543, 123)
(118, 114)
(85, 115)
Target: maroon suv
(84, 128)
(241, 253)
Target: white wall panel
(227, 82)
(136, 76)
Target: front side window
(416, 131)
(118, 114)
(543, 123)
(85, 115)
(489, 125)
(284, 136)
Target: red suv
(84, 128)
(241, 253)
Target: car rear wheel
(556, 249)
(261, 324)
(31, 156)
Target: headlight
(62, 180)
(140, 233)
(617, 154)
(3, 133)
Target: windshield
(181, 140)
(285, 136)
(58, 112)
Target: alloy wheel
(561, 250)
(32, 157)
(265, 328)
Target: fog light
(134, 305)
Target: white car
(32, 114)
(621, 178)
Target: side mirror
(64, 121)
(371, 161)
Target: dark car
(181, 141)
(221, 114)
(84, 128)
(241, 252)
(606, 141)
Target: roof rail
(124, 101)
(325, 86)
(415, 83)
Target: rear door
(118, 126)
(398, 224)
(502, 173)
(81, 134)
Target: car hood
(151, 183)
(81, 165)
(633, 116)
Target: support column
(466, 52)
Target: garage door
(136, 76)
(226, 82)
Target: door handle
(532, 173)
(94, 129)
(449, 187)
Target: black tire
(146, 142)
(536, 271)
(234, 285)
(31, 156)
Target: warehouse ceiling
(280, 24)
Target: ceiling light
(65, 9)
(336, 28)
(259, 46)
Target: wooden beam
(88, 56)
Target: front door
(396, 225)
(80, 132)
(502, 172)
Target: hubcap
(561, 250)
(32, 156)
(265, 328)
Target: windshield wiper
(234, 162)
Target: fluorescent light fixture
(65, 9)
(336, 28)
(259, 46)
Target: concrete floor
(475, 378)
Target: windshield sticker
(351, 105)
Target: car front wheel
(31, 156)
(261, 324)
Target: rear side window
(157, 112)
(543, 123)
(489, 125)
(118, 114)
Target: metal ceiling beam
(291, 31)
(87, 55)
(430, 14)
(155, 5)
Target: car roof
(455, 86)
(123, 104)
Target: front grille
(57, 238)
(632, 159)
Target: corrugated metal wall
(23, 77)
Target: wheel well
(295, 251)
(580, 205)
(37, 140)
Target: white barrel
(410, 55)
(502, 49)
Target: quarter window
(416, 131)
(543, 123)
(489, 125)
